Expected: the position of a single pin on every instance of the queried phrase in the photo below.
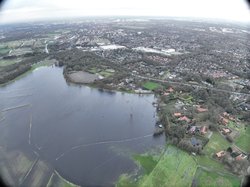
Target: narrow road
(188, 84)
(46, 48)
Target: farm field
(176, 168)
(210, 163)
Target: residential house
(226, 131)
(184, 118)
(220, 154)
(225, 114)
(200, 109)
(170, 90)
(203, 130)
(223, 120)
(240, 157)
(177, 114)
(193, 129)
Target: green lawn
(176, 168)
(151, 85)
(215, 144)
(243, 140)
(204, 178)
(93, 70)
(205, 161)
(106, 73)
(238, 127)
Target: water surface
(86, 134)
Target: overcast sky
(26, 10)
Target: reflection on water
(86, 134)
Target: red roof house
(200, 109)
(184, 118)
(170, 89)
(177, 114)
(203, 130)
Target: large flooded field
(83, 134)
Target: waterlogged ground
(174, 167)
(87, 136)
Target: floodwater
(88, 135)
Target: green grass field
(215, 144)
(205, 161)
(105, 73)
(243, 140)
(204, 178)
(93, 70)
(176, 168)
(238, 127)
(151, 85)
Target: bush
(229, 138)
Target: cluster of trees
(10, 75)
(216, 99)
(10, 72)
(238, 167)
(185, 144)
(76, 60)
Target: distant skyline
(32, 10)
